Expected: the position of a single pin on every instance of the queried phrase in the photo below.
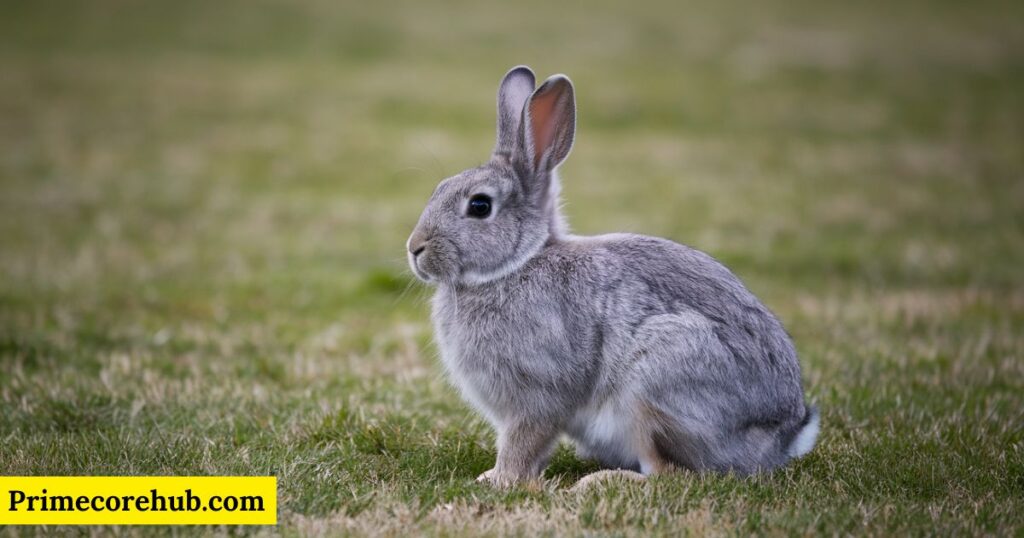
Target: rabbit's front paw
(492, 478)
(496, 479)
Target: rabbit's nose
(417, 244)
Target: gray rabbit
(647, 354)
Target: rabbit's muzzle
(430, 258)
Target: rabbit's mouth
(416, 263)
(435, 261)
(420, 273)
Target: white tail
(806, 437)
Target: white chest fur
(504, 351)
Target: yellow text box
(138, 500)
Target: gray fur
(515, 89)
(646, 353)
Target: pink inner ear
(542, 111)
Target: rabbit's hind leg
(684, 382)
(651, 460)
(606, 475)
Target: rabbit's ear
(513, 93)
(549, 124)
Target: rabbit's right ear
(516, 88)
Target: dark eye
(479, 206)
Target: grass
(203, 208)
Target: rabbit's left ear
(549, 124)
(514, 91)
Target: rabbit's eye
(479, 206)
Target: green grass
(203, 209)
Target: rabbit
(646, 354)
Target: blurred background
(203, 209)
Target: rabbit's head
(488, 221)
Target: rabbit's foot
(497, 479)
(492, 477)
(486, 476)
(606, 475)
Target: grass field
(203, 210)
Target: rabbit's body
(646, 353)
(659, 354)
